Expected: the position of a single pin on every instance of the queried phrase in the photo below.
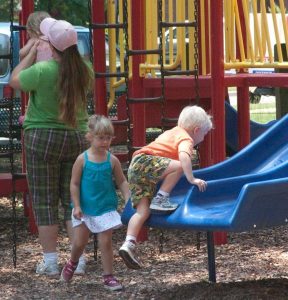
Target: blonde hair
(100, 125)
(33, 23)
(194, 116)
(74, 82)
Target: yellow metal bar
(171, 48)
(163, 30)
(239, 31)
(247, 65)
(266, 30)
(227, 24)
(276, 31)
(121, 37)
(284, 23)
(144, 66)
(209, 32)
(180, 13)
(151, 30)
(250, 50)
(232, 31)
(258, 44)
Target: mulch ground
(252, 265)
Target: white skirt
(96, 224)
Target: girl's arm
(25, 63)
(120, 178)
(75, 186)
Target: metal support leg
(95, 246)
(211, 257)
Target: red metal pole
(217, 81)
(243, 105)
(99, 56)
(137, 90)
(205, 147)
(27, 9)
(218, 92)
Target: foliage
(74, 11)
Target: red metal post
(218, 91)
(27, 9)
(243, 105)
(99, 55)
(217, 81)
(137, 91)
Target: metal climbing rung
(178, 24)
(105, 25)
(146, 100)
(121, 122)
(6, 155)
(143, 52)
(179, 72)
(6, 104)
(18, 176)
(117, 74)
(5, 56)
(16, 127)
(134, 148)
(169, 121)
(18, 27)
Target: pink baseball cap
(61, 34)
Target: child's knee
(79, 244)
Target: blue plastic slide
(247, 191)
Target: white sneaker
(127, 253)
(49, 269)
(162, 203)
(81, 268)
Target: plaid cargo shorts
(50, 155)
(144, 173)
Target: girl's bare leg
(105, 246)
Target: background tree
(74, 11)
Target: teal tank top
(97, 190)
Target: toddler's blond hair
(194, 116)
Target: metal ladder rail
(167, 121)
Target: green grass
(262, 112)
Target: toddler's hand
(77, 213)
(202, 184)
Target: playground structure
(156, 92)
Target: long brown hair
(75, 80)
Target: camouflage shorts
(144, 173)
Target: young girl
(94, 199)
(44, 51)
(166, 159)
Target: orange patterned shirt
(169, 144)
